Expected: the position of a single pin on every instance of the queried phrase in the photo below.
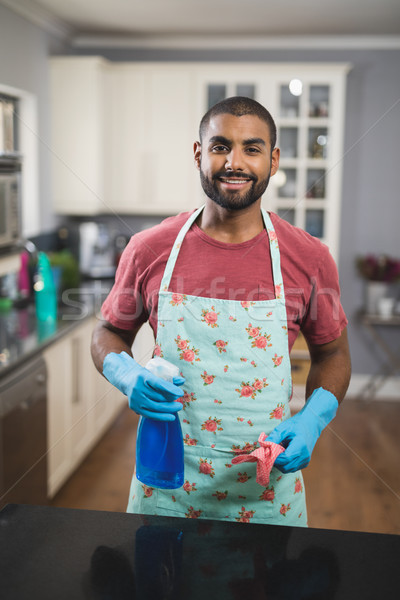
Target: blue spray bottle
(159, 444)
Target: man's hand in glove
(148, 394)
(299, 433)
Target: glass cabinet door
(304, 130)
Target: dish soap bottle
(45, 291)
(159, 445)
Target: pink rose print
(278, 412)
(221, 346)
(226, 367)
(298, 487)
(246, 449)
(278, 291)
(182, 344)
(277, 360)
(189, 441)
(269, 314)
(253, 363)
(231, 318)
(177, 299)
(253, 331)
(210, 317)
(186, 399)
(243, 359)
(208, 379)
(193, 514)
(173, 498)
(148, 491)
(189, 487)
(258, 339)
(268, 494)
(279, 478)
(242, 497)
(221, 495)
(243, 477)
(246, 304)
(157, 350)
(250, 423)
(240, 419)
(272, 235)
(206, 467)
(180, 319)
(284, 508)
(217, 401)
(212, 425)
(186, 353)
(245, 515)
(228, 465)
(248, 390)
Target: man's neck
(231, 227)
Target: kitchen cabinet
(123, 135)
(307, 104)
(81, 403)
(80, 91)
(153, 130)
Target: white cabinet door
(80, 91)
(83, 371)
(81, 403)
(153, 170)
(58, 361)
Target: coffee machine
(96, 251)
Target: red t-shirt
(209, 268)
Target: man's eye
(219, 148)
(252, 150)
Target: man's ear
(275, 160)
(197, 154)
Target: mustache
(234, 175)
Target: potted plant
(379, 271)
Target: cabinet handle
(75, 349)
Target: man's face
(235, 160)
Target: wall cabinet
(81, 404)
(123, 135)
(80, 92)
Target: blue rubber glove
(148, 395)
(299, 433)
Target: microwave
(10, 203)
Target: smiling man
(226, 289)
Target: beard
(230, 199)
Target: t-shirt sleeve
(324, 319)
(123, 307)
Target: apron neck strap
(273, 244)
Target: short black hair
(239, 106)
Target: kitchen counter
(22, 336)
(48, 553)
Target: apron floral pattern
(234, 357)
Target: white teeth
(235, 180)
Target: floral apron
(234, 356)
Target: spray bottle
(159, 445)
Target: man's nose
(234, 160)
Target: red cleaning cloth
(265, 457)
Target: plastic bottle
(45, 291)
(159, 445)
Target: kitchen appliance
(8, 125)
(23, 434)
(10, 202)
(96, 250)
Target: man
(226, 289)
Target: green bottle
(45, 291)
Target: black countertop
(22, 336)
(55, 553)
